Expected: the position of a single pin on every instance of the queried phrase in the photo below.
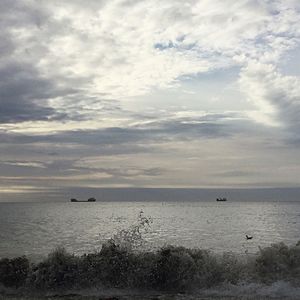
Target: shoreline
(120, 273)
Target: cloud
(30, 164)
(29, 91)
(78, 81)
(143, 130)
(276, 96)
(65, 172)
(112, 45)
(89, 53)
(24, 94)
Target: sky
(149, 93)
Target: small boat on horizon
(221, 199)
(88, 200)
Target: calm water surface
(34, 229)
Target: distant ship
(221, 199)
(88, 200)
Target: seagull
(249, 237)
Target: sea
(36, 228)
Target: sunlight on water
(35, 229)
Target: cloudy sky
(149, 93)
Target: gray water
(34, 229)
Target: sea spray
(132, 238)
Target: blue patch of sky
(219, 75)
(290, 63)
(178, 45)
(164, 46)
(212, 91)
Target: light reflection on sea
(34, 229)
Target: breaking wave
(122, 264)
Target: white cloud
(120, 49)
(26, 164)
(276, 96)
(124, 48)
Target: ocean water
(34, 229)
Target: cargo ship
(88, 200)
(221, 199)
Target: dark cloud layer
(24, 95)
(26, 89)
(155, 131)
(24, 92)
